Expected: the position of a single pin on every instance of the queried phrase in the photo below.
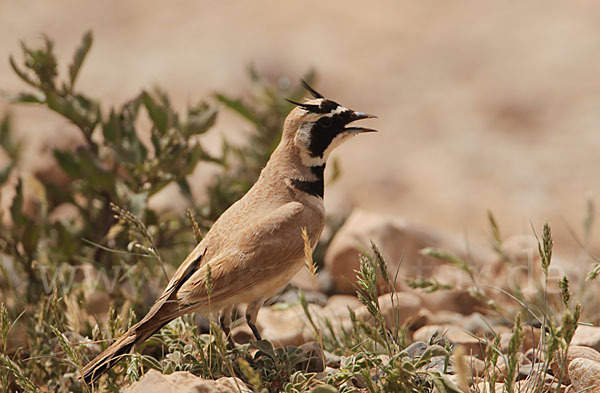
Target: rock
(525, 273)
(587, 336)
(444, 317)
(65, 212)
(550, 386)
(336, 312)
(484, 387)
(475, 365)
(282, 326)
(184, 382)
(450, 275)
(377, 373)
(530, 339)
(397, 309)
(400, 243)
(531, 370)
(292, 296)
(342, 302)
(476, 323)
(332, 360)
(398, 240)
(404, 308)
(322, 283)
(501, 366)
(422, 318)
(315, 357)
(455, 334)
(415, 349)
(584, 375)
(535, 355)
(242, 334)
(438, 363)
(455, 300)
(575, 352)
(431, 334)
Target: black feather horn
(314, 93)
(308, 107)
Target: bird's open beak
(358, 116)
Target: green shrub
(112, 177)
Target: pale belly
(268, 287)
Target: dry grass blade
(461, 367)
(127, 216)
(309, 263)
(22, 380)
(195, 226)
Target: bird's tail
(137, 334)
(162, 312)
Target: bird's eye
(326, 122)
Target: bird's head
(319, 125)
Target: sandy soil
(482, 105)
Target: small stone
(476, 323)
(281, 326)
(315, 357)
(340, 303)
(65, 212)
(584, 375)
(331, 370)
(531, 339)
(456, 300)
(292, 296)
(332, 360)
(438, 363)
(587, 336)
(531, 370)
(185, 382)
(475, 365)
(416, 349)
(323, 282)
(422, 318)
(575, 352)
(484, 387)
(337, 315)
(456, 335)
(397, 309)
(242, 334)
(445, 317)
(535, 355)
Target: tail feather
(136, 335)
(161, 313)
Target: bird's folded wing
(250, 256)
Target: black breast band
(315, 187)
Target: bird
(256, 246)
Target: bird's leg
(225, 322)
(251, 314)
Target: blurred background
(481, 105)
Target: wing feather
(256, 254)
